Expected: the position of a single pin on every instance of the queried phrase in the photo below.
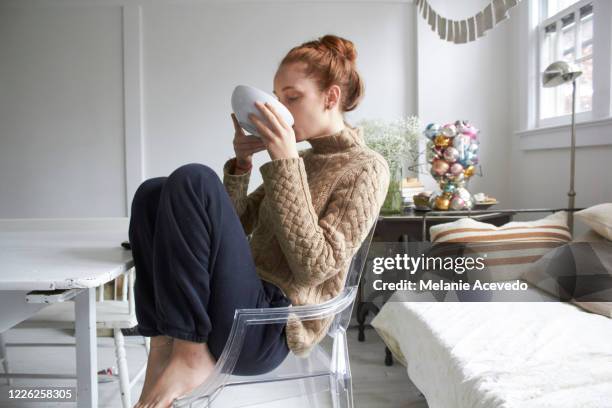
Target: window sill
(588, 133)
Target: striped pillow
(507, 250)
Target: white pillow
(589, 236)
(599, 218)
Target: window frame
(530, 135)
(541, 26)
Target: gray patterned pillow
(579, 272)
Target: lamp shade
(558, 73)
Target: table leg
(86, 349)
(388, 357)
(361, 321)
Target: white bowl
(243, 104)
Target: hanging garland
(460, 32)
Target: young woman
(194, 262)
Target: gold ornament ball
(442, 203)
(469, 171)
(441, 141)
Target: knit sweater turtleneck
(308, 218)
(344, 139)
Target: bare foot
(159, 355)
(189, 366)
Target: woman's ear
(333, 96)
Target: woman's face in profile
(303, 99)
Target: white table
(50, 254)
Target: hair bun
(330, 60)
(340, 46)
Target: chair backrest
(351, 286)
(353, 276)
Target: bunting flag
(469, 29)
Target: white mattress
(547, 354)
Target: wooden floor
(375, 385)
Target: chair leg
(4, 358)
(341, 383)
(308, 385)
(124, 376)
(342, 392)
(143, 369)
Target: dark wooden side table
(410, 227)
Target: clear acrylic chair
(318, 373)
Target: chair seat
(110, 314)
(260, 390)
(317, 363)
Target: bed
(501, 354)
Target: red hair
(330, 60)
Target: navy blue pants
(194, 267)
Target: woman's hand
(245, 146)
(280, 138)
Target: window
(552, 7)
(566, 33)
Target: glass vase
(393, 204)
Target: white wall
(66, 123)
(61, 113)
(470, 81)
(541, 177)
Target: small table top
(49, 254)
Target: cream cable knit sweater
(308, 218)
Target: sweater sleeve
(317, 248)
(246, 206)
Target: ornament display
(454, 155)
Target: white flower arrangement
(397, 141)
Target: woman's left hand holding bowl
(280, 138)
